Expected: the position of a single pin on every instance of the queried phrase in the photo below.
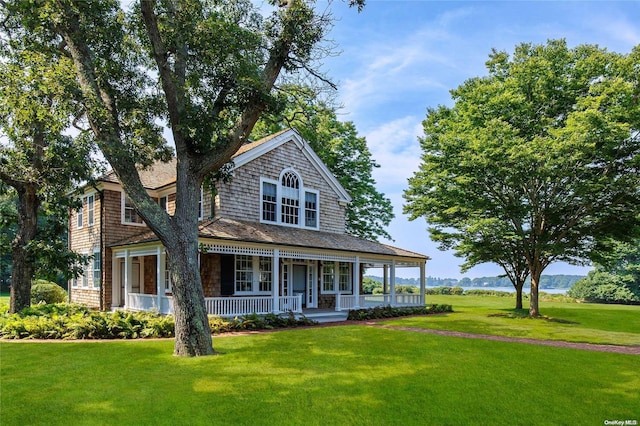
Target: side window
(201, 205)
(129, 213)
(164, 203)
(80, 215)
(97, 271)
(269, 201)
(310, 209)
(90, 210)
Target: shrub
(481, 292)
(256, 322)
(68, 321)
(47, 292)
(391, 312)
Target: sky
(399, 58)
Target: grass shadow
(524, 314)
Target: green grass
(574, 322)
(348, 375)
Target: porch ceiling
(254, 232)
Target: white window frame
(166, 203)
(201, 205)
(275, 203)
(80, 215)
(85, 276)
(168, 284)
(336, 283)
(302, 193)
(123, 215)
(317, 210)
(256, 273)
(97, 255)
(90, 209)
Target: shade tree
(539, 160)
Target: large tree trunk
(193, 334)
(23, 262)
(536, 272)
(519, 295)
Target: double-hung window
(90, 210)
(80, 215)
(269, 201)
(253, 274)
(97, 268)
(129, 213)
(287, 202)
(310, 209)
(336, 277)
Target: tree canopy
(38, 160)
(540, 159)
(205, 69)
(616, 280)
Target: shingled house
(272, 240)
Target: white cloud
(394, 146)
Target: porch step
(325, 315)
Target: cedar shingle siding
(240, 199)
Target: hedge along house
(271, 240)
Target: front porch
(245, 277)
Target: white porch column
(275, 280)
(159, 277)
(423, 282)
(392, 292)
(128, 274)
(356, 282)
(385, 279)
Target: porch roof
(254, 232)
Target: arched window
(286, 201)
(290, 202)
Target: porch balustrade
(346, 302)
(222, 306)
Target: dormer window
(287, 202)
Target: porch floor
(325, 315)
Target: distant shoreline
(562, 283)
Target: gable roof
(262, 146)
(161, 174)
(156, 176)
(255, 232)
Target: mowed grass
(573, 322)
(344, 375)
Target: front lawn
(346, 375)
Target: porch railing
(346, 302)
(223, 306)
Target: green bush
(47, 292)
(256, 322)
(482, 292)
(390, 312)
(69, 321)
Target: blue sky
(401, 57)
